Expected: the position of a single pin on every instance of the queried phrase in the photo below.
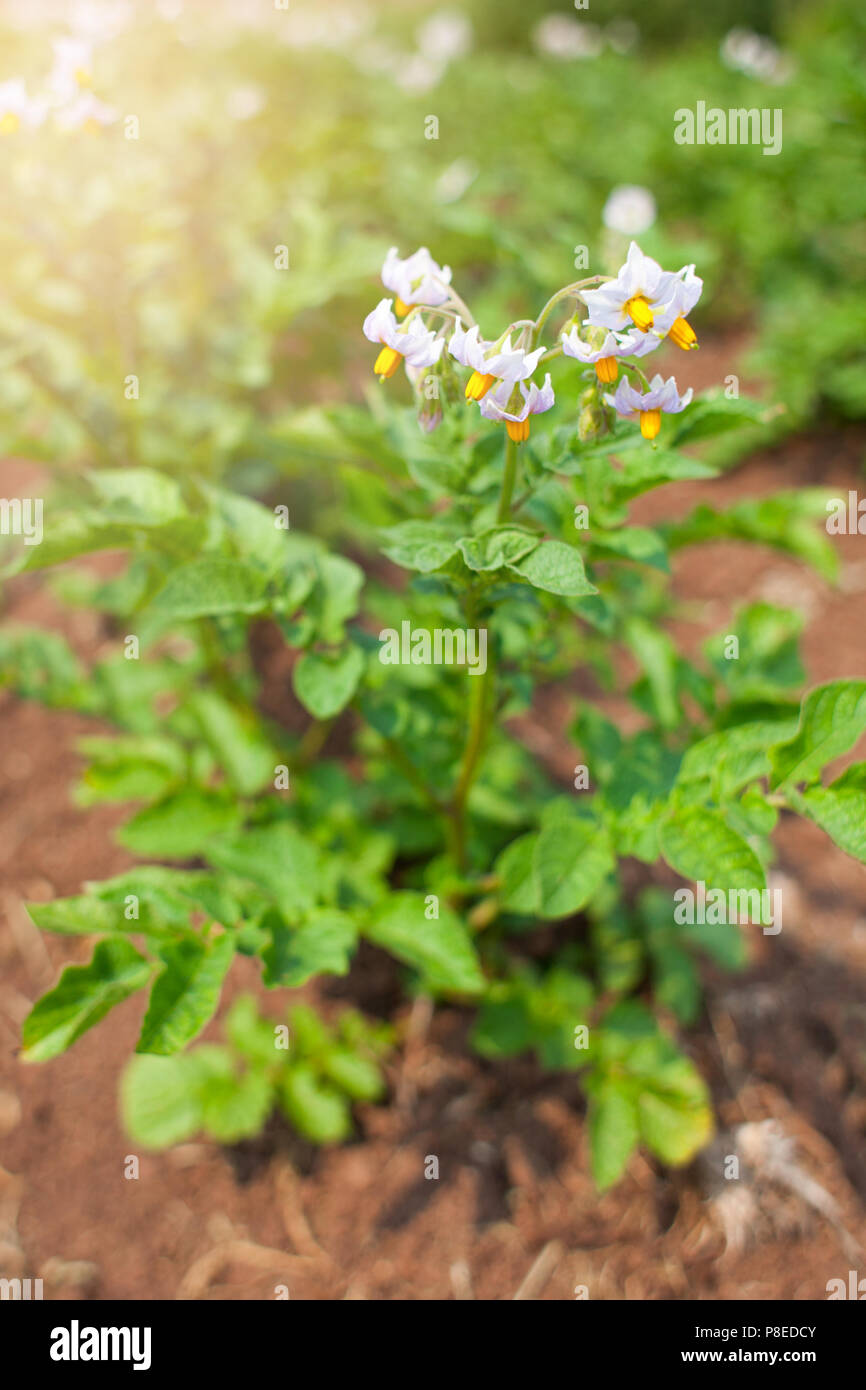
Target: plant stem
(564, 294)
(509, 477)
(476, 731)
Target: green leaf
(159, 1100)
(786, 521)
(234, 1108)
(613, 1130)
(675, 1116)
(185, 994)
(250, 1034)
(278, 859)
(137, 496)
(322, 945)
(700, 845)
(637, 543)
(556, 568)
(675, 980)
(518, 890)
(83, 995)
(841, 814)
(419, 545)
(325, 683)
(658, 656)
(79, 916)
(644, 469)
(137, 767)
(504, 1027)
(715, 414)
(180, 826)
(210, 586)
(500, 546)
(335, 597)
(237, 741)
(571, 859)
(440, 948)
(316, 1108)
(832, 718)
(725, 761)
(359, 1077)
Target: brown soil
(513, 1212)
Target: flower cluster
(626, 317)
(66, 94)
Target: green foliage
(311, 1073)
(422, 829)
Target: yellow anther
(683, 334)
(607, 369)
(478, 385)
(650, 423)
(640, 312)
(387, 362)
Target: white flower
(490, 361)
(243, 103)
(756, 56)
(418, 73)
(445, 35)
(604, 353)
(648, 405)
(515, 404)
(17, 108)
(410, 341)
(86, 112)
(559, 36)
(687, 292)
(417, 280)
(650, 298)
(630, 209)
(73, 62)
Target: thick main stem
(469, 762)
(509, 477)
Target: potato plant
(408, 813)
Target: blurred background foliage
(307, 128)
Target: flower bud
(591, 422)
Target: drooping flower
(17, 108)
(687, 292)
(641, 294)
(416, 280)
(514, 403)
(427, 388)
(647, 406)
(410, 341)
(490, 361)
(607, 348)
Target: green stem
(509, 477)
(564, 293)
(478, 724)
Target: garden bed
(514, 1208)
